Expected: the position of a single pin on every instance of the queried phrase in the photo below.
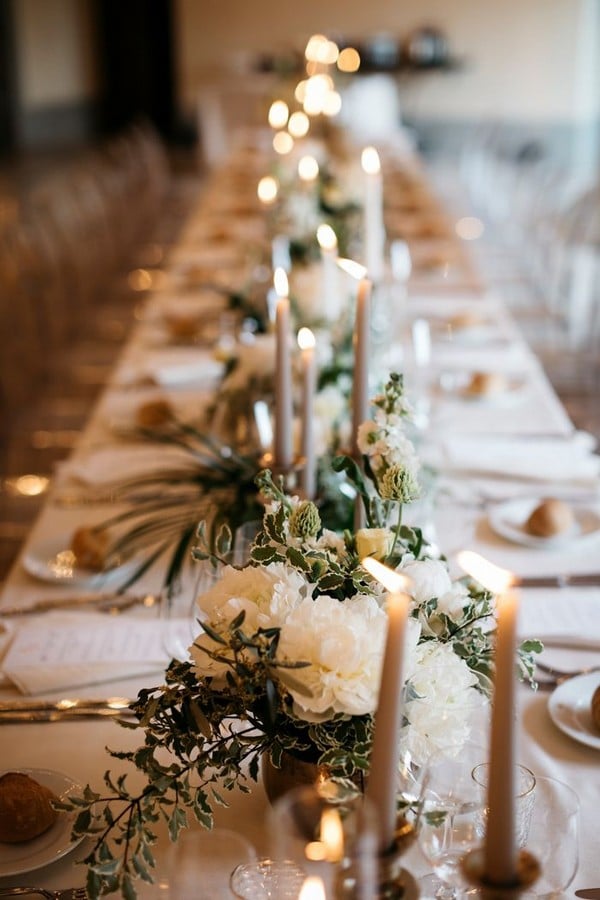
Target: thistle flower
(398, 483)
(305, 521)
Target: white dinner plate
(456, 386)
(570, 708)
(508, 521)
(51, 560)
(15, 859)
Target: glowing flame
(332, 104)
(352, 268)
(348, 60)
(283, 143)
(306, 339)
(308, 168)
(278, 114)
(486, 573)
(369, 160)
(392, 581)
(326, 237)
(312, 889)
(299, 124)
(267, 189)
(280, 282)
(332, 835)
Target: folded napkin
(534, 458)
(109, 464)
(169, 368)
(564, 617)
(512, 359)
(61, 651)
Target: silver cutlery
(591, 579)
(564, 674)
(65, 894)
(14, 711)
(109, 602)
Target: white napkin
(534, 458)
(169, 368)
(513, 359)
(561, 618)
(62, 651)
(109, 464)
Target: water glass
(554, 837)
(525, 793)
(266, 879)
(200, 864)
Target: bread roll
(596, 708)
(90, 548)
(25, 808)
(483, 384)
(549, 518)
(154, 414)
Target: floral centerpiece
(289, 659)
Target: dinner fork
(65, 894)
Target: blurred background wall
(79, 68)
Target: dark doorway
(135, 56)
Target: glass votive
(267, 879)
(330, 833)
(525, 787)
(200, 863)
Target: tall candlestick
(283, 453)
(500, 849)
(360, 384)
(385, 753)
(374, 231)
(330, 281)
(306, 342)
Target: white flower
(267, 594)
(376, 542)
(447, 704)
(255, 360)
(344, 643)
(429, 577)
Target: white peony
(429, 578)
(447, 706)
(344, 644)
(266, 594)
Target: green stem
(397, 529)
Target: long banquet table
(466, 492)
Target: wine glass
(452, 807)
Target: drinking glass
(450, 823)
(525, 784)
(200, 863)
(554, 838)
(330, 832)
(181, 613)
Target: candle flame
(308, 168)
(352, 268)
(283, 143)
(306, 339)
(369, 161)
(280, 282)
(267, 189)
(332, 835)
(392, 581)
(326, 237)
(348, 60)
(312, 889)
(278, 114)
(299, 124)
(486, 573)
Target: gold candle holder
(528, 871)
(395, 882)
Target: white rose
(429, 577)
(375, 542)
(343, 642)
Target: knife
(591, 579)
(93, 601)
(67, 708)
(589, 893)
